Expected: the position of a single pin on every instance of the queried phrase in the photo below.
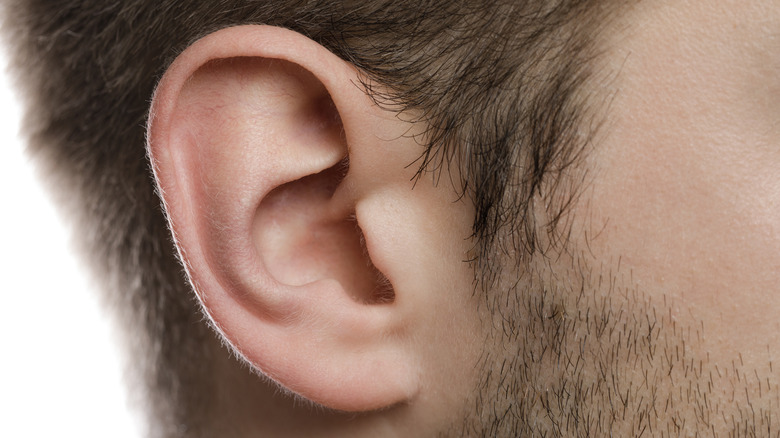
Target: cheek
(685, 191)
(701, 228)
(700, 231)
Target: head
(396, 218)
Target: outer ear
(260, 145)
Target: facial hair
(576, 349)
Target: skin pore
(659, 318)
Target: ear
(270, 161)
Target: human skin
(674, 234)
(685, 181)
(656, 312)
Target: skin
(686, 178)
(673, 239)
(658, 316)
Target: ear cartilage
(308, 231)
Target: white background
(60, 375)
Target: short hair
(500, 85)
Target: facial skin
(685, 181)
(660, 317)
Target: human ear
(272, 164)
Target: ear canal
(305, 233)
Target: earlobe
(256, 140)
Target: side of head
(345, 186)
